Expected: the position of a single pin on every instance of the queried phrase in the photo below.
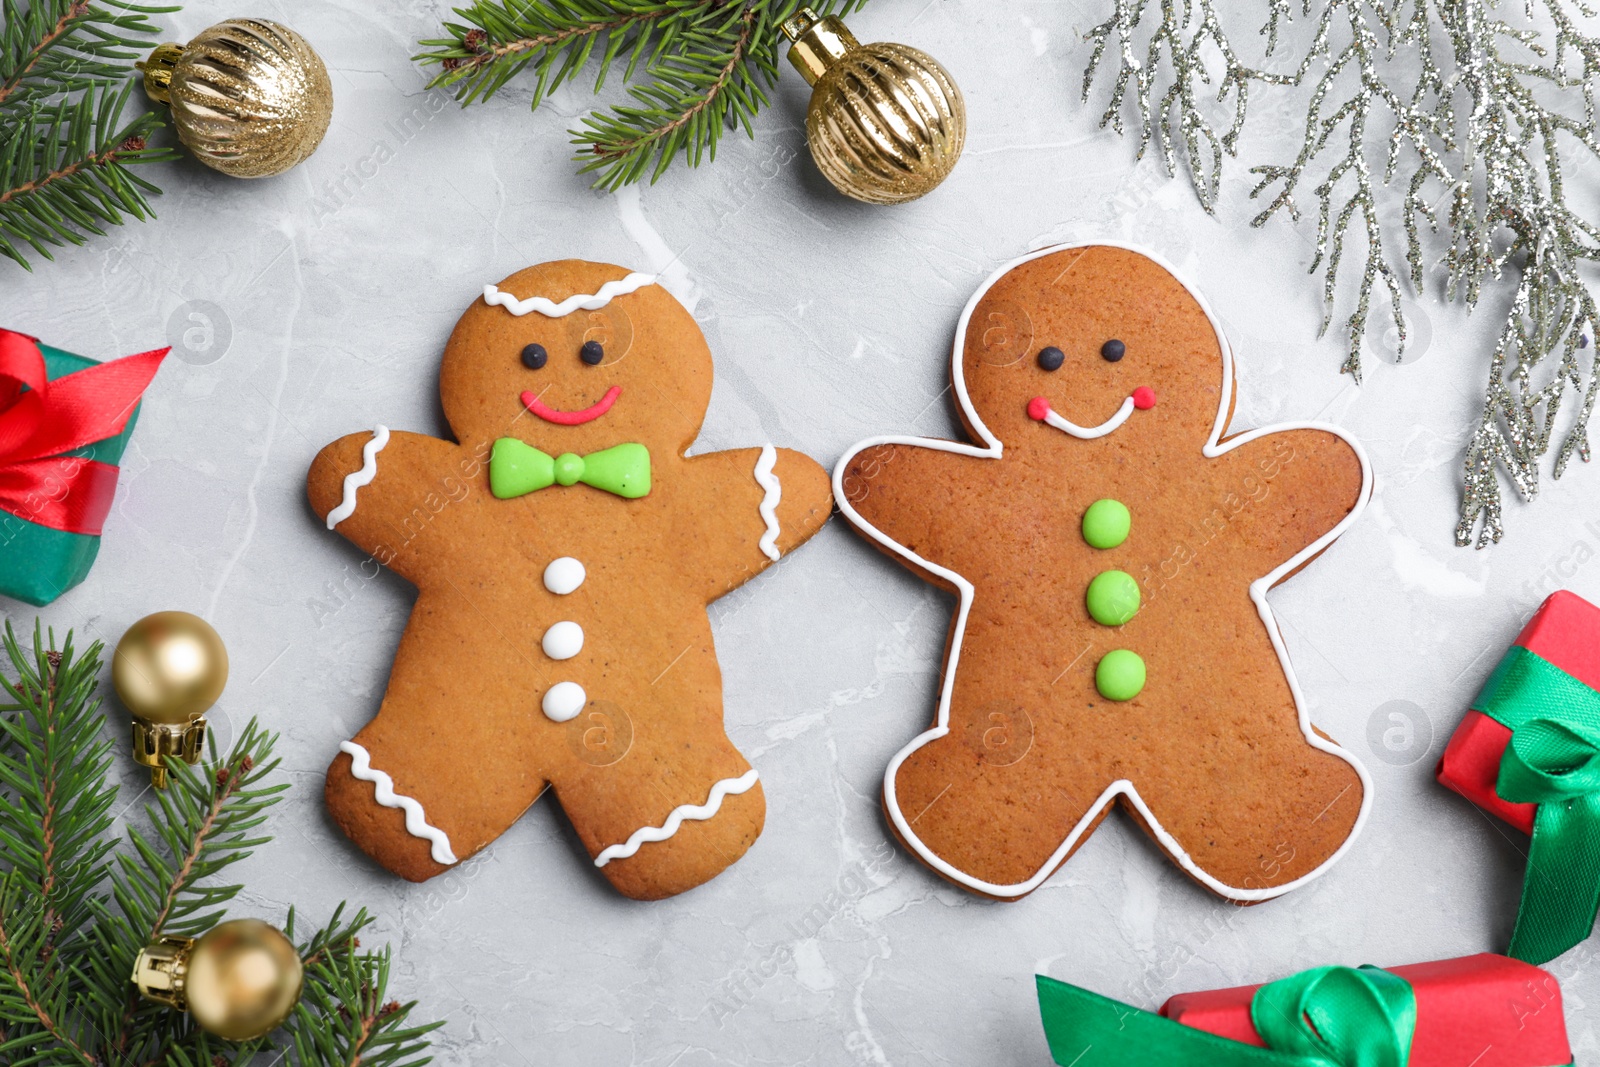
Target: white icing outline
(992, 449)
(584, 301)
(698, 812)
(1089, 433)
(416, 819)
(769, 501)
(359, 479)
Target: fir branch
(54, 801)
(1409, 104)
(74, 914)
(65, 150)
(704, 66)
(62, 46)
(201, 822)
(54, 813)
(371, 1028)
(683, 110)
(27, 995)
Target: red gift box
(1484, 1010)
(1566, 632)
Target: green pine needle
(66, 75)
(75, 908)
(696, 69)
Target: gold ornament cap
(161, 969)
(249, 97)
(154, 742)
(818, 42)
(240, 980)
(168, 669)
(158, 71)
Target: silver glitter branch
(1440, 110)
(1349, 185)
(1511, 149)
(1184, 32)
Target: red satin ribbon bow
(40, 419)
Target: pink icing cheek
(1038, 408)
(1144, 398)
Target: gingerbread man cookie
(564, 553)
(1112, 547)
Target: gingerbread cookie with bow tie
(564, 551)
(1112, 545)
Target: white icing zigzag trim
(358, 479)
(416, 820)
(992, 449)
(769, 503)
(698, 812)
(586, 301)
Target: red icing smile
(570, 418)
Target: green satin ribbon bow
(516, 468)
(1553, 761)
(1324, 1017)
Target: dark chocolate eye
(1051, 358)
(592, 353)
(534, 356)
(1112, 351)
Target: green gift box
(54, 499)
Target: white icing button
(563, 576)
(564, 700)
(563, 640)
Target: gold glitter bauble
(168, 669)
(240, 980)
(886, 122)
(249, 97)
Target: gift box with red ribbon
(64, 422)
(1528, 752)
(1484, 1010)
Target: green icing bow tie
(516, 469)
(1326, 1017)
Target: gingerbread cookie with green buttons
(564, 550)
(1111, 541)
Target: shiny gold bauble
(240, 980)
(168, 669)
(249, 97)
(886, 122)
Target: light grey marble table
(328, 293)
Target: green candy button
(1119, 675)
(1106, 523)
(1113, 598)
